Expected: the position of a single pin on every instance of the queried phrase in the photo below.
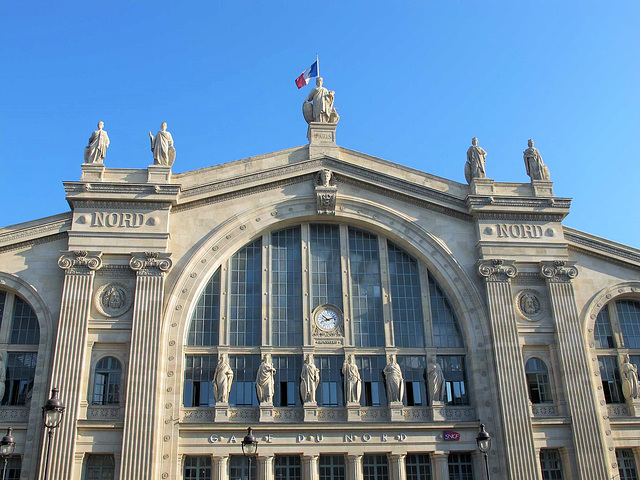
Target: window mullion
(426, 305)
(307, 294)
(345, 267)
(225, 303)
(615, 324)
(387, 313)
(7, 317)
(266, 290)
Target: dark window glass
(205, 321)
(286, 287)
(538, 381)
(329, 393)
(14, 467)
(611, 383)
(3, 300)
(414, 371)
(106, 383)
(446, 332)
(408, 325)
(626, 464)
(629, 317)
(245, 316)
(373, 389)
(550, 464)
(198, 376)
(375, 467)
(21, 369)
(331, 467)
(366, 292)
(243, 389)
(456, 379)
(287, 467)
(197, 467)
(100, 467)
(418, 466)
(603, 335)
(24, 329)
(460, 466)
(287, 386)
(239, 467)
(326, 279)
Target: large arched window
(330, 286)
(538, 381)
(106, 382)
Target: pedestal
(158, 174)
(354, 412)
(482, 186)
(92, 172)
(634, 407)
(542, 188)
(221, 413)
(267, 412)
(438, 409)
(396, 412)
(310, 412)
(322, 139)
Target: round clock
(327, 318)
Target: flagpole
(317, 64)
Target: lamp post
(249, 448)
(484, 445)
(7, 447)
(52, 414)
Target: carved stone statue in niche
(629, 379)
(352, 380)
(474, 168)
(536, 169)
(96, 150)
(326, 192)
(3, 374)
(222, 380)
(322, 109)
(395, 382)
(437, 382)
(309, 380)
(265, 380)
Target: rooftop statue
(97, 148)
(162, 147)
(474, 168)
(536, 169)
(322, 109)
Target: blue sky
(414, 82)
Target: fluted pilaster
(354, 467)
(588, 441)
(398, 467)
(69, 356)
(265, 467)
(139, 444)
(220, 468)
(310, 467)
(514, 397)
(440, 467)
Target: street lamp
(484, 445)
(7, 447)
(249, 448)
(52, 414)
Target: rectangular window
(408, 325)
(14, 467)
(286, 287)
(460, 466)
(550, 464)
(456, 379)
(373, 388)
(205, 321)
(602, 334)
(100, 467)
(239, 467)
(626, 464)
(245, 319)
(197, 467)
(287, 388)
(414, 371)
(24, 329)
(21, 370)
(326, 279)
(243, 388)
(198, 377)
(610, 375)
(629, 317)
(375, 467)
(366, 290)
(418, 466)
(329, 393)
(287, 467)
(331, 467)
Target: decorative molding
(120, 205)
(80, 262)
(497, 270)
(528, 278)
(513, 201)
(32, 243)
(543, 410)
(604, 248)
(326, 192)
(120, 188)
(529, 305)
(558, 271)
(103, 412)
(617, 410)
(463, 414)
(57, 226)
(150, 264)
(113, 299)
(15, 414)
(115, 271)
(520, 217)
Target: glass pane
(626, 464)
(460, 466)
(602, 334)
(629, 317)
(538, 381)
(550, 464)
(453, 368)
(446, 332)
(418, 466)
(375, 467)
(611, 382)
(326, 279)
(286, 287)
(21, 370)
(331, 467)
(24, 329)
(205, 321)
(246, 296)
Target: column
(265, 467)
(141, 425)
(220, 468)
(589, 443)
(79, 270)
(310, 467)
(354, 467)
(440, 468)
(398, 467)
(514, 396)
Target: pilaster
(79, 271)
(141, 425)
(265, 467)
(398, 467)
(588, 441)
(220, 468)
(514, 406)
(310, 463)
(354, 467)
(440, 462)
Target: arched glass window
(106, 383)
(246, 296)
(538, 381)
(602, 334)
(24, 328)
(100, 467)
(446, 332)
(286, 287)
(205, 321)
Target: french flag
(303, 79)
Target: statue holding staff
(96, 150)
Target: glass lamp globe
(7, 444)
(484, 440)
(53, 410)
(249, 444)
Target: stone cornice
(80, 262)
(121, 188)
(558, 271)
(28, 232)
(150, 264)
(601, 247)
(496, 270)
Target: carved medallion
(529, 305)
(113, 299)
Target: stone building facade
(128, 302)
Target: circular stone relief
(529, 305)
(113, 299)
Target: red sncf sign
(451, 436)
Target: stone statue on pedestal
(162, 147)
(309, 380)
(96, 150)
(265, 380)
(352, 380)
(437, 381)
(395, 382)
(222, 380)
(322, 109)
(629, 379)
(536, 169)
(474, 168)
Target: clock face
(327, 319)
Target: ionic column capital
(497, 270)
(80, 262)
(558, 271)
(150, 264)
